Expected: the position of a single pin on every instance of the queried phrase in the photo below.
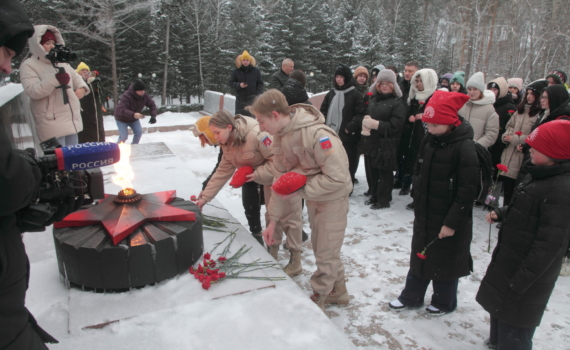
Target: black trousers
(351, 149)
(368, 170)
(444, 293)
(381, 183)
(251, 194)
(509, 337)
(18, 328)
(508, 188)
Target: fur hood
(488, 99)
(252, 63)
(430, 81)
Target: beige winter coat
(256, 151)
(483, 118)
(53, 118)
(511, 157)
(303, 147)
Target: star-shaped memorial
(120, 220)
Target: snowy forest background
(195, 42)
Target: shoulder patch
(266, 141)
(325, 142)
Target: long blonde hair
(221, 119)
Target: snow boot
(339, 295)
(273, 250)
(372, 200)
(489, 345)
(294, 267)
(377, 206)
(410, 206)
(319, 300)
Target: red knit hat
(443, 106)
(551, 139)
(49, 35)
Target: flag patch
(325, 143)
(266, 141)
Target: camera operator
(55, 115)
(19, 181)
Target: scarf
(334, 114)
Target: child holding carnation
(446, 177)
(532, 241)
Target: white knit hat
(477, 81)
(387, 75)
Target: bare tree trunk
(198, 22)
(114, 72)
(165, 78)
(471, 39)
(493, 16)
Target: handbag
(385, 157)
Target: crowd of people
(430, 137)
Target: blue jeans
(124, 131)
(68, 140)
(444, 293)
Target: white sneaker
(396, 305)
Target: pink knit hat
(516, 83)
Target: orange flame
(124, 171)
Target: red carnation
(207, 256)
(200, 269)
(191, 269)
(201, 278)
(511, 111)
(206, 285)
(518, 133)
(222, 259)
(368, 93)
(422, 103)
(222, 274)
(502, 168)
(421, 256)
(214, 277)
(193, 198)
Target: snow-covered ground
(376, 256)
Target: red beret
(443, 106)
(551, 139)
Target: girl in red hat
(532, 241)
(446, 176)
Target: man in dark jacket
(279, 78)
(340, 106)
(128, 112)
(91, 110)
(246, 80)
(19, 181)
(532, 241)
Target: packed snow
(376, 255)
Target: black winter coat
(252, 77)
(405, 87)
(532, 241)
(92, 114)
(412, 136)
(354, 108)
(391, 112)
(278, 80)
(295, 92)
(446, 178)
(19, 181)
(502, 106)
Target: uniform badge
(325, 142)
(266, 141)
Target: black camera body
(61, 54)
(60, 192)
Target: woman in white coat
(479, 111)
(43, 84)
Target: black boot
(372, 200)
(377, 206)
(404, 191)
(410, 206)
(367, 193)
(259, 237)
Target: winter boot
(294, 267)
(372, 200)
(259, 237)
(489, 345)
(319, 300)
(377, 206)
(404, 191)
(410, 206)
(339, 295)
(273, 250)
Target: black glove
(152, 120)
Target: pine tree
(412, 39)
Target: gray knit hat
(387, 75)
(477, 81)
